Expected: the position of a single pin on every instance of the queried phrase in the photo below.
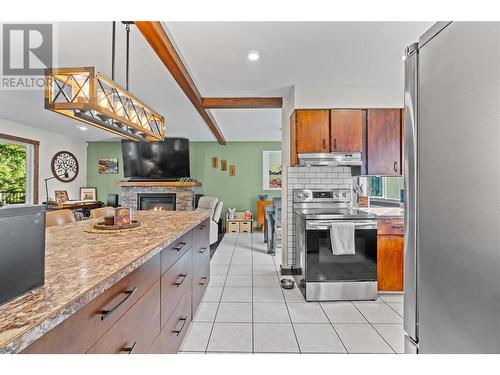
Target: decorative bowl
(287, 283)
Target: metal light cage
(90, 97)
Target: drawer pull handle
(203, 280)
(179, 248)
(183, 276)
(202, 250)
(397, 226)
(178, 331)
(202, 227)
(129, 349)
(395, 166)
(128, 294)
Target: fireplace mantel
(159, 183)
(184, 192)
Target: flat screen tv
(165, 160)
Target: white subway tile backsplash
(314, 181)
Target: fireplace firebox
(156, 201)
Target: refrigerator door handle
(410, 180)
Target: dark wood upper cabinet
(384, 142)
(346, 130)
(312, 130)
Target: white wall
(286, 111)
(50, 144)
(388, 95)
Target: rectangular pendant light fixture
(88, 96)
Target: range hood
(332, 159)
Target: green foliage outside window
(12, 168)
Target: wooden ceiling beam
(159, 40)
(233, 103)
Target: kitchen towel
(342, 238)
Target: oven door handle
(325, 225)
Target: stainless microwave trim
(331, 159)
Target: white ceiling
(330, 64)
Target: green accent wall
(241, 191)
(105, 183)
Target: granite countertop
(385, 212)
(79, 266)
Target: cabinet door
(313, 130)
(390, 264)
(346, 130)
(384, 142)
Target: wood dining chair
(59, 217)
(97, 213)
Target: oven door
(321, 265)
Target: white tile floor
(244, 310)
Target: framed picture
(61, 196)
(215, 162)
(88, 194)
(223, 165)
(271, 170)
(108, 166)
(232, 170)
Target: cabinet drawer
(201, 245)
(393, 226)
(246, 227)
(174, 284)
(80, 331)
(176, 327)
(137, 330)
(233, 227)
(201, 234)
(200, 283)
(174, 251)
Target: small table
(239, 224)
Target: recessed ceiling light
(253, 55)
(82, 128)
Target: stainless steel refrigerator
(452, 186)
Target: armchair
(215, 206)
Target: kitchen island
(127, 292)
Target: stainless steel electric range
(321, 275)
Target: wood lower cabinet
(390, 255)
(312, 127)
(136, 331)
(200, 284)
(143, 312)
(384, 142)
(346, 130)
(82, 329)
(175, 329)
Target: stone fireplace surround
(184, 192)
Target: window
(18, 170)
(382, 187)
